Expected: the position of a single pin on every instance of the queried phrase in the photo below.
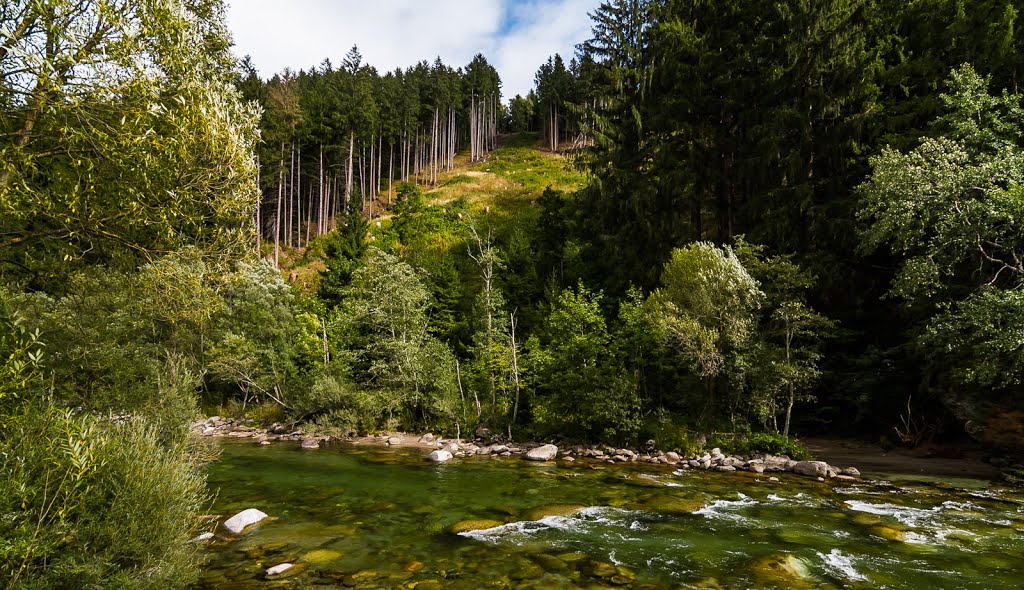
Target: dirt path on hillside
(873, 459)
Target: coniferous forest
(728, 221)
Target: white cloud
(300, 34)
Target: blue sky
(516, 36)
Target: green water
(376, 518)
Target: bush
(90, 503)
(760, 442)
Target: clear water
(357, 517)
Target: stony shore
(442, 450)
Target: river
(373, 517)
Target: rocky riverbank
(443, 450)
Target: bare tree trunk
(259, 205)
(391, 171)
(277, 217)
(321, 201)
(348, 176)
(309, 215)
(515, 373)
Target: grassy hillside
(497, 195)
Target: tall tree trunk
(348, 175)
(277, 216)
(380, 159)
(391, 171)
(259, 205)
(320, 204)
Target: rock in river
(238, 522)
(439, 456)
(464, 526)
(279, 569)
(542, 453)
(552, 510)
(811, 468)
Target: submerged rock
(282, 570)
(553, 510)
(476, 524)
(889, 533)
(237, 523)
(784, 570)
(203, 537)
(439, 456)
(542, 453)
(319, 556)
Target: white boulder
(237, 523)
(542, 453)
(439, 456)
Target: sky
(516, 36)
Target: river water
(359, 517)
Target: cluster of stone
(486, 445)
(714, 460)
(239, 428)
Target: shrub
(89, 503)
(760, 442)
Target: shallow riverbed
(371, 517)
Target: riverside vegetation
(663, 241)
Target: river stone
(284, 570)
(310, 443)
(238, 522)
(600, 569)
(674, 505)
(811, 468)
(785, 571)
(551, 563)
(672, 457)
(889, 534)
(477, 524)
(320, 556)
(850, 472)
(866, 519)
(527, 571)
(439, 456)
(542, 453)
(394, 440)
(724, 468)
(553, 510)
(202, 537)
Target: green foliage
(123, 138)
(91, 503)
(578, 385)
(949, 208)
(790, 332)
(385, 311)
(758, 443)
(706, 312)
(669, 432)
(344, 250)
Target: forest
(725, 221)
